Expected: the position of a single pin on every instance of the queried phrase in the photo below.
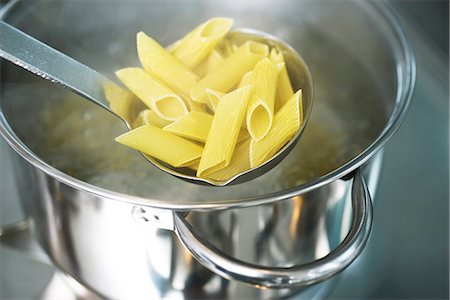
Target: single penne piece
(246, 79)
(194, 126)
(224, 131)
(209, 64)
(197, 46)
(149, 117)
(164, 102)
(228, 74)
(157, 60)
(213, 99)
(122, 102)
(240, 162)
(261, 106)
(284, 87)
(286, 124)
(162, 145)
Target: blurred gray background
(407, 256)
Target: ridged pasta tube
(261, 106)
(198, 44)
(164, 102)
(194, 126)
(230, 71)
(286, 123)
(240, 162)
(162, 145)
(284, 87)
(157, 60)
(224, 131)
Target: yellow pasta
(286, 124)
(194, 166)
(194, 126)
(209, 64)
(246, 79)
(122, 102)
(228, 74)
(213, 98)
(196, 46)
(149, 117)
(226, 48)
(165, 103)
(162, 145)
(243, 134)
(157, 60)
(213, 107)
(261, 106)
(240, 162)
(224, 131)
(199, 107)
(284, 87)
(173, 47)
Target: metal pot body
(115, 252)
(291, 228)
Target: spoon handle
(41, 59)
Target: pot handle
(280, 277)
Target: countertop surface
(407, 255)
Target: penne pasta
(122, 102)
(198, 107)
(149, 117)
(240, 162)
(157, 60)
(226, 48)
(194, 126)
(213, 98)
(174, 46)
(197, 45)
(165, 103)
(286, 124)
(230, 71)
(261, 106)
(206, 104)
(246, 79)
(194, 166)
(213, 101)
(162, 145)
(243, 134)
(209, 64)
(224, 131)
(284, 87)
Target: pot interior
(346, 45)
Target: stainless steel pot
(126, 231)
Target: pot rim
(406, 76)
